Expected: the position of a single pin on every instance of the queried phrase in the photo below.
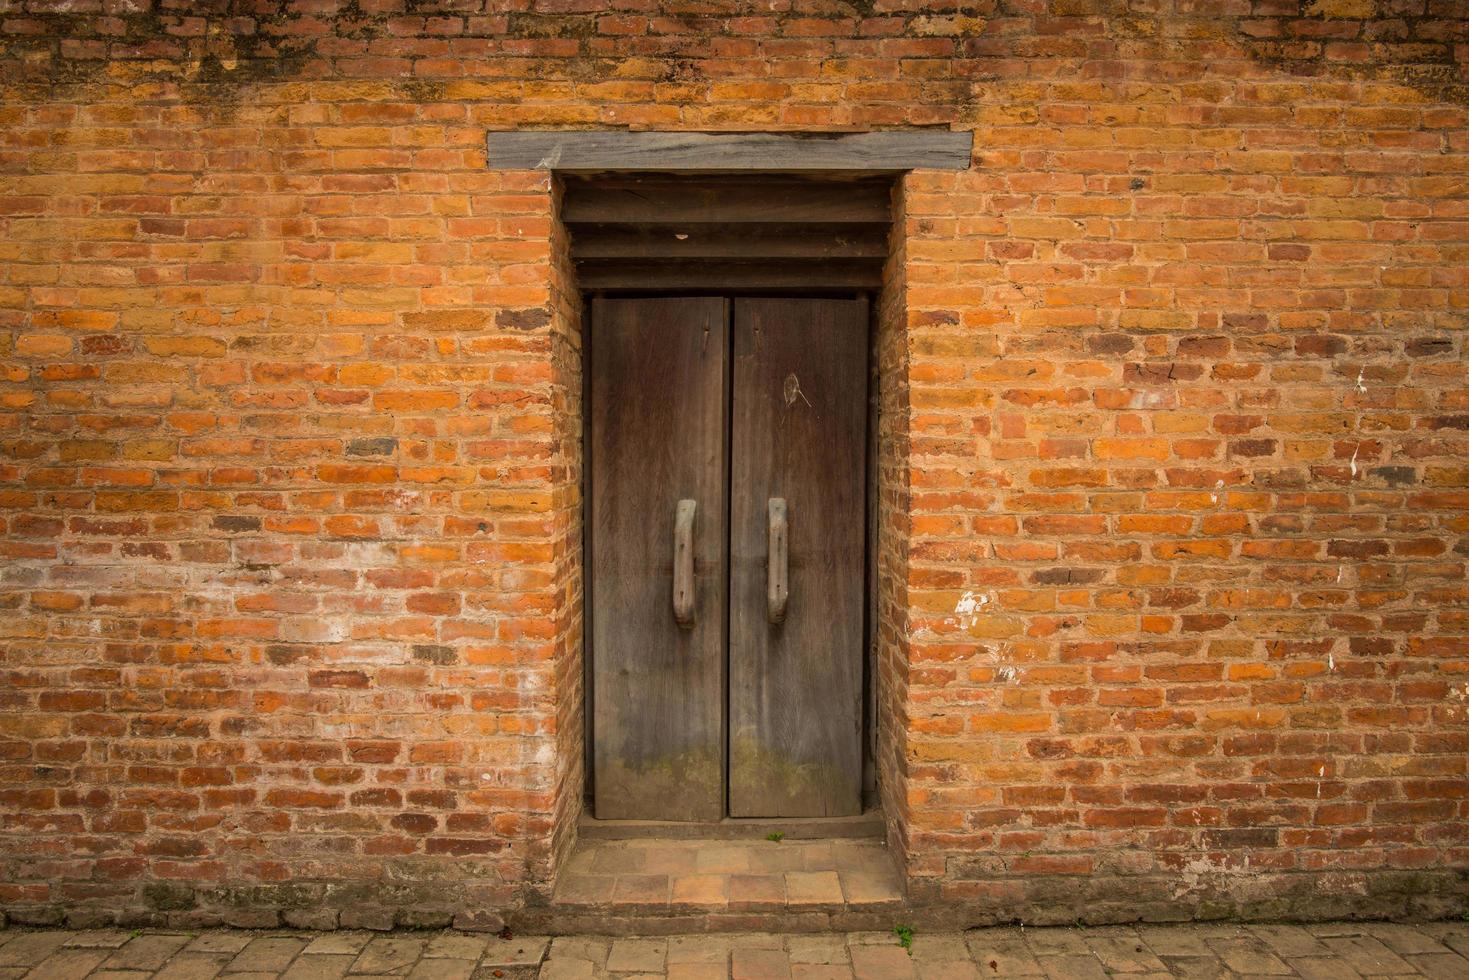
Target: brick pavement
(1332, 951)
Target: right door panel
(795, 674)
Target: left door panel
(657, 417)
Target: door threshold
(868, 824)
(655, 886)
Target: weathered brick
(1172, 379)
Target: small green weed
(905, 937)
(776, 835)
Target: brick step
(865, 825)
(662, 886)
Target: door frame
(869, 700)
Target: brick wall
(1173, 461)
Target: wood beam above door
(570, 151)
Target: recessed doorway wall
(689, 282)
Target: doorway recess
(743, 215)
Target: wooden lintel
(594, 151)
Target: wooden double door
(726, 531)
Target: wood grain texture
(798, 432)
(599, 150)
(723, 241)
(657, 422)
(725, 201)
(782, 274)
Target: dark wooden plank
(708, 274)
(726, 201)
(701, 241)
(600, 150)
(798, 432)
(658, 422)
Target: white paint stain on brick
(1206, 872)
(968, 609)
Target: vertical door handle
(683, 564)
(777, 582)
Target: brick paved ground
(1338, 951)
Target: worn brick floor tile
(443, 968)
(1322, 968)
(756, 891)
(862, 856)
(870, 887)
(882, 963)
(775, 859)
(818, 949)
(1440, 966)
(387, 954)
(257, 975)
(1249, 955)
(641, 889)
(1444, 931)
(193, 966)
(699, 949)
(722, 859)
(1052, 942)
(225, 942)
(939, 946)
(820, 971)
(1367, 955)
(318, 966)
(952, 970)
(1174, 941)
(148, 952)
(756, 940)
(1403, 939)
(593, 948)
(1323, 929)
(816, 855)
(1128, 955)
(759, 964)
(569, 968)
(68, 964)
(580, 861)
(681, 861)
(698, 971)
(270, 954)
(876, 937)
(638, 955)
(585, 889)
(1002, 957)
(705, 891)
(520, 951)
(1072, 966)
(611, 859)
(30, 948)
(813, 888)
(1197, 968)
(13, 972)
(337, 943)
(100, 938)
(1287, 941)
(1456, 942)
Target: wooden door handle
(777, 581)
(683, 564)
